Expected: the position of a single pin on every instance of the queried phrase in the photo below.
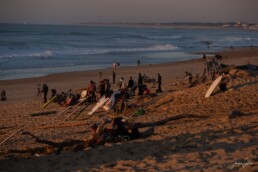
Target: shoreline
(223, 51)
(79, 79)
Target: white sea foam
(236, 39)
(166, 47)
(41, 54)
(172, 37)
(48, 53)
(163, 47)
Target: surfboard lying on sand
(213, 86)
(98, 105)
(49, 101)
(106, 106)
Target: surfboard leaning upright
(213, 86)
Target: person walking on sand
(138, 62)
(114, 77)
(38, 89)
(44, 91)
(140, 84)
(107, 87)
(130, 86)
(3, 95)
(114, 66)
(122, 83)
(91, 91)
(101, 88)
(159, 83)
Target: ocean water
(38, 50)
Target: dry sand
(199, 134)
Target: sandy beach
(219, 133)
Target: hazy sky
(77, 11)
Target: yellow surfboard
(49, 101)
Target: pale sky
(79, 11)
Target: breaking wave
(49, 54)
(44, 54)
(167, 47)
(236, 39)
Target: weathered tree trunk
(74, 145)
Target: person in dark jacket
(3, 95)
(114, 77)
(159, 83)
(130, 86)
(91, 91)
(140, 84)
(101, 88)
(44, 91)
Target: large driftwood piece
(71, 143)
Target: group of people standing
(104, 86)
(132, 85)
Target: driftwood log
(43, 113)
(76, 145)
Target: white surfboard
(106, 105)
(213, 86)
(98, 105)
(83, 95)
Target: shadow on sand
(205, 144)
